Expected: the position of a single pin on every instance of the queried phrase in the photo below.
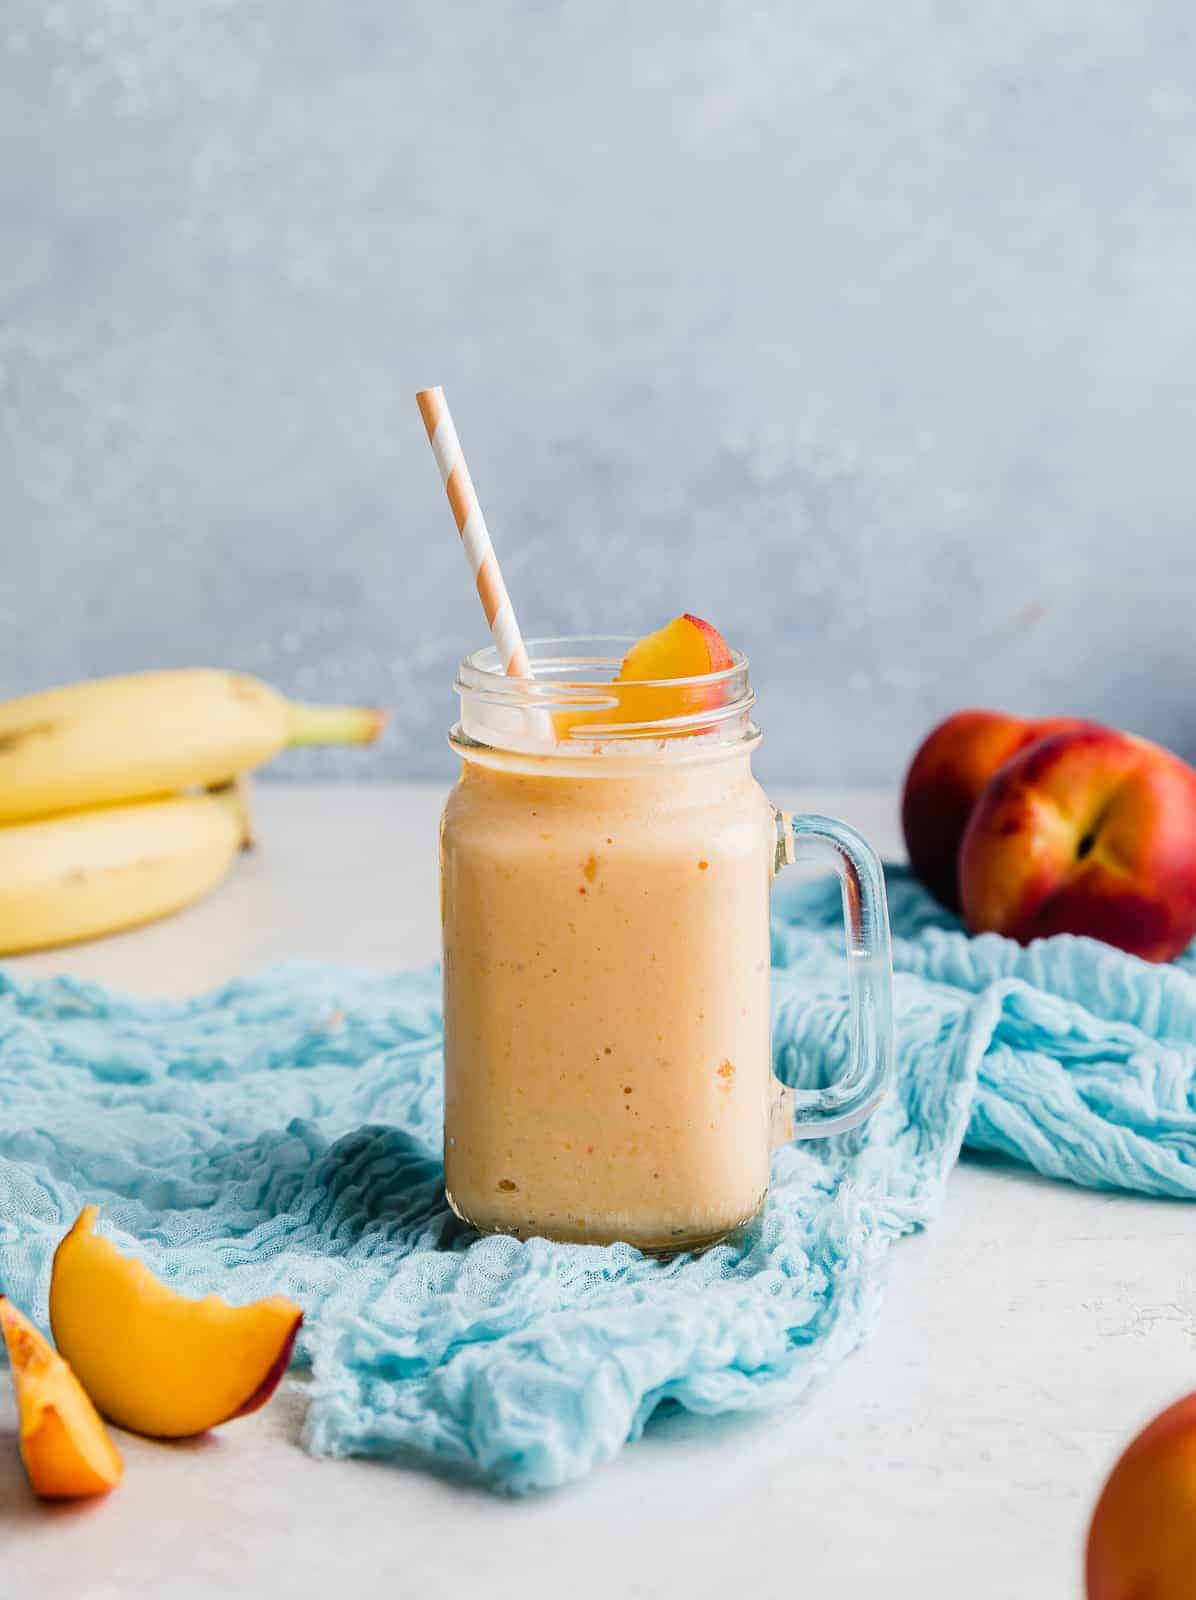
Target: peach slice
(154, 1361)
(687, 647)
(64, 1445)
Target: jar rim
(483, 667)
(559, 709)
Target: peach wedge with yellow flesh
(685, 648)
(157, 1362)
(64, 1445)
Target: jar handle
(855, 1095)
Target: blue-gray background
(863, 327)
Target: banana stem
(334, 724)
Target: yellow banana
(92, 872)
(152, 733)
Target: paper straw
(475, 537)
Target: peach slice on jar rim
(157, 1362)
(643, 690)
(687, 647)
(66, 1448)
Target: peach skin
(1142, 1541)
(1089, 831)
(64, 1445)
(948, 774)
(156, 1362)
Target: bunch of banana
(120, 799)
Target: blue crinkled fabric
(283, 1135)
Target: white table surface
(1023, 1338)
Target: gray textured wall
(864, 327)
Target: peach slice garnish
(687, 647)
(64, 1445)
(157, 1362)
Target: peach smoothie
(606, 967)
(605, 863)
(606, 860)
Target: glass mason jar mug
(606, 859)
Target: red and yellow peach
(1142, 1540)
(1087, 831)
(949, 773)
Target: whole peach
(1142, 1542)
(1087, 831)
(947, 776)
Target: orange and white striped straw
(475, 537)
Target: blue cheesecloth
(283, 1135)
